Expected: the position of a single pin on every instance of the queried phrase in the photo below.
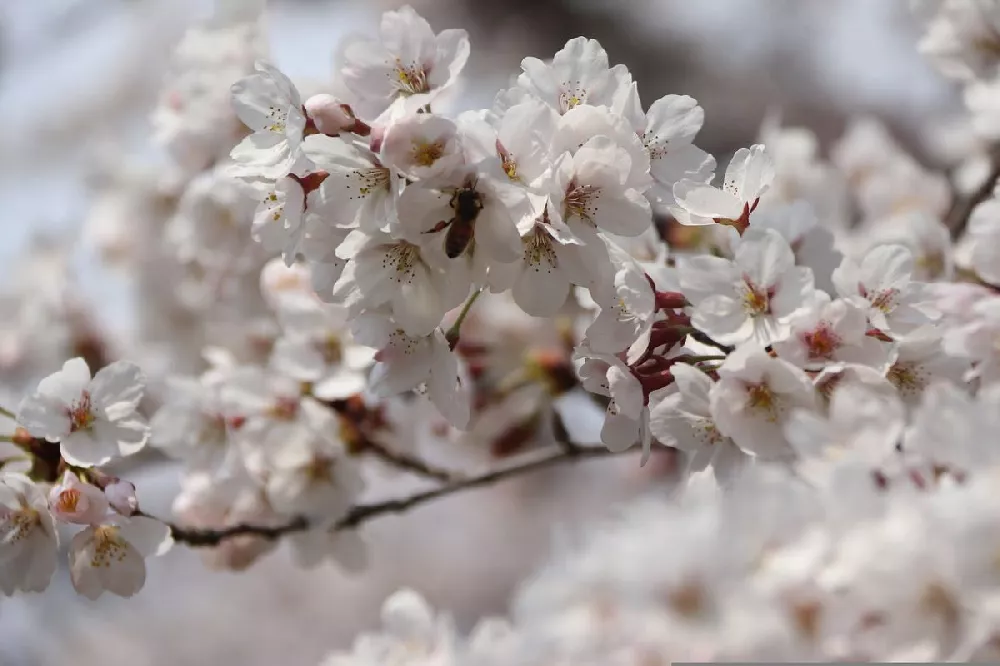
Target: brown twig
(961, 210)
(407, 462)
(362, 513)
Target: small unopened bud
(21, 437)
(121, 497)
(329, 115)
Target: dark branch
(703, 338)
(362, 513)
(407, 462)
(958, 217)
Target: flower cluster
(332, 280)
(89, 421)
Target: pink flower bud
(73, 501)
(121, 496)
(329, 115)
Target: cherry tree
(353, 280)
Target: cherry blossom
(590, 190)
(979, 341)
(683, 419)
(407, 362)
(28, 538)
(667, 130)
(468, 211)
(408, 62)
(269, 104)
(540, 283)
(626, 324)
(578, 74)
(94, 420)
(984, 234)
(920, 362)
(751, 297)
(112, 556)
(830, 331)
(192, 426)
(423, 146)
(73, 501)
(748, 176)
(755, 396)
(358, 190)
(881, 283)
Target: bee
(467, 204)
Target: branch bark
(362, 513)
(958, 217)
(409, 463)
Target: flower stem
(455, 331)
(9, 414)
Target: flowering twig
(958, 217)
(407, 462)
(455, 331)
(362, 513)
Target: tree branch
(704, 339)
(362, 513)
(958, 217)
(407, 462)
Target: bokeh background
(78, 80)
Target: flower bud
(73, 501)
(121, 495)
(329, 115)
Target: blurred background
(78, 82)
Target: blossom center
(275, 207)
(411, 79)
(884, 300)
(81, 414)
(756, 301)
(69, 500)
(761, 398)
(822, 342)
(508, 162)
(403, 256)
(213, 430)
(331, 349)
(108, 547)
(277, 120)
(571, 95)
(426, 153)
(580, 199)
(538, 250)
(284, 408)
(319, 470)
(18, 525)
(906, 377)
(372, 180)
(933, 263)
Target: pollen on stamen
(81, 414)
(761, 398)
(425, 154)
(69, 500)
(756, 301)
(821, 342)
